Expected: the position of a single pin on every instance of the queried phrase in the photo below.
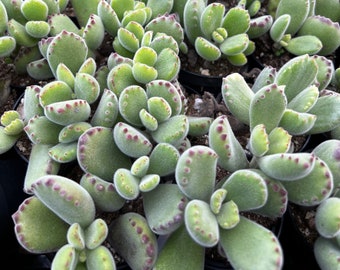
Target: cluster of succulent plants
(216, 33)
(302, 27)
(125, 125)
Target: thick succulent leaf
(7, 141)
(206, 49)
(86, 87)
(140, 166)
(168, 91)
(228, 217)
(160, 8)
(68, 112)
(120, 77)
(222, 140)
(298, 11)
(7, 45)
(39, 69)
(265, 78)
(75, 236)
(159, 108)
(279, 27)
(160, 42)
(94, 32)
(236, 21)
(168, 24)
(128, 40)
(235, 45)
(62, 44)
(100, 258)
(193, 182)
(260, 247)
(191, 18)
(237, 96)
(63, 152)
(137, 15)
(201, 223)
(239, 59)
(325, 71)
(164, 208)
(144, 73)
(172, 131)
(259, 141)
(18, 32)
(4, 19)
(40, 164)
(145, 55)
(167, 65)
(108, 17)
(259, 26)
(32, 105)
(178, 250)
(279, 141)
(304, 100)
(33, 222)
(107, 110)
(326, 218)
(267, 107)
(66, 255)
(72, 132)
(121, 9)
(127, 185)
(128, 234)
(297, 123)
(40, 130)
(163, 159)
(247, 189)
(149, 182)
(304, 44)
(131, 141)
(276, 204)
(98, 153)
(287, 166)
(329, 151)
(132, 99)
(290, 75)
(55, 91)
(60, 22)
(327, 253)
(216, 200)
(95, 233)
(313, 188)
(66, 198)
(325, 30)
(198, 126)
(103, 193)
(329, 101)
(211, 18)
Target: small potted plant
(302, 27)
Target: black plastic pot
(298, 252)
(200, 82)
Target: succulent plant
(23, 24)
(302, 27)
(326, 246)
(216, 32)
(296, 99)
(124, 125)
(65, 206)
